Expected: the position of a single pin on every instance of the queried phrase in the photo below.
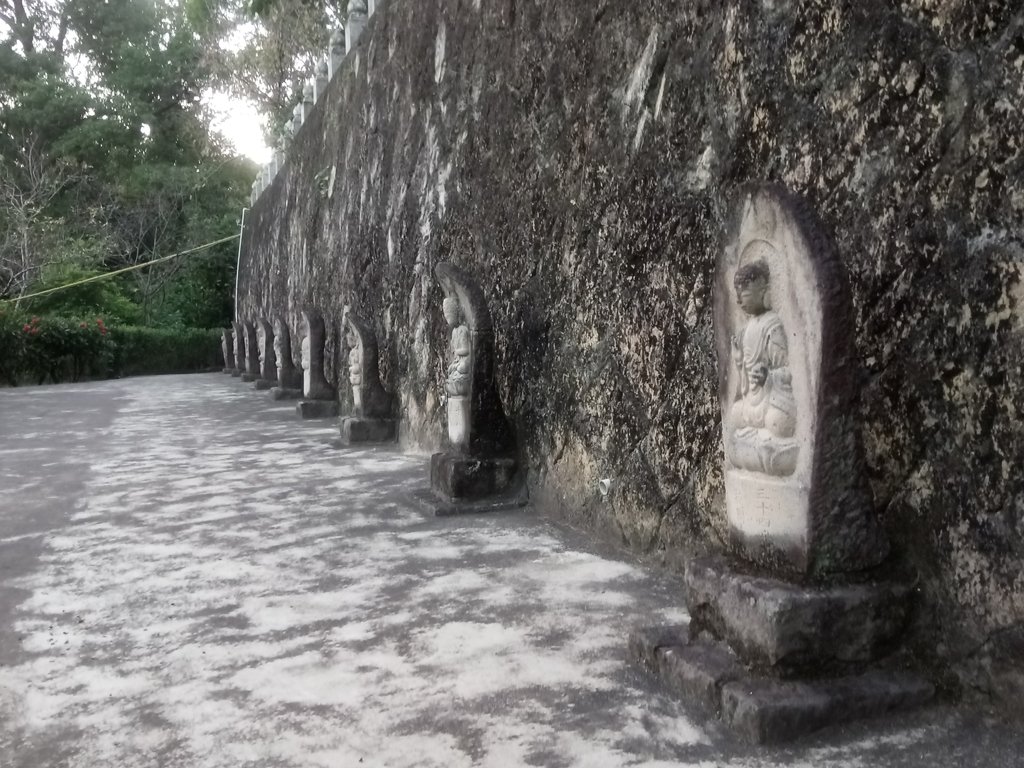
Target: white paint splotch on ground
(226, 589)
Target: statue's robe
(764, 417)
(459, 370)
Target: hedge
(37, 349)
(139, 351)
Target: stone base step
(433, 504)
(355, 430)
(285, 393)
(764, 710)
(793, 629)
(317, 409)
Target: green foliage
(141, 351)
(103, 134)
(12, 344)
(102, 298)
(55, 349)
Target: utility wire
(104, 276)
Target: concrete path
(190, 576)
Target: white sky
(238, 121)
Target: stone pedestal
(792, 629)
(317, 409)
(370, 418)
(248, 377)
(463, 478)
(285, 393)
(355, 429)
(478, 472)
(264, 384)
(801, 629)
(354, 29)
(758, 707)
(462, 485)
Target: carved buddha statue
(355, 359)
(762, 421)
(261, 344)
(460, 368)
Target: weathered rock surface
(760, 708)
(790, 628)
(585, 156)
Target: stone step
(765, 710)
(789, 628)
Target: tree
(28, 185)
(111, 160)
(282, 44)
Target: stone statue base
(265, 384)
(462, 485)
(317, 409)
(227, 370)
(236, 372)
(775, 660)
(458, 477)
(433, 504)
(248, 377)
(355, 429)
(768, 519)
(285, 393)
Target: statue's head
(307, 92)
(321, 69)
(452, 310)
(351, 337)
(751, 284)
(338, 39)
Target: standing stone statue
(252, 360)
(371, 417)
(796, 490)
(355, 24)
(238, 334)
(268, 358)
(336, 54)
(227, 347)
(289, 379)
(321, 80)
(784, 638)
(308, 99)
(478, 471)
(319, 398)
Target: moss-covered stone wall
(582, 157)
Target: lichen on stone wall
(583, 159)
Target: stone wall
(582, 157)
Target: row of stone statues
(341, 42)
(785, 636)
